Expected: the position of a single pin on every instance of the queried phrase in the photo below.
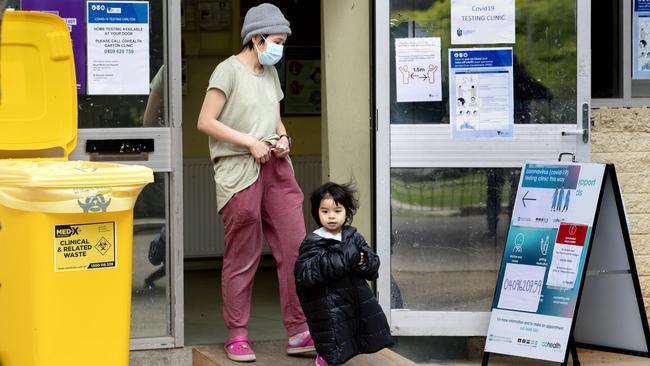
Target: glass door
(135, 119)
(444, 204)
(142, 125)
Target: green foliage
(451, 193)
(545, 45)
(461, 191)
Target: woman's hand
(261, 151)
(281, 148)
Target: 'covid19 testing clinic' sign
(482, 22)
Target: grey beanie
(264, 19)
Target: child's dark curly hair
(342, 194)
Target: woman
(256, 190)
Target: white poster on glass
(417, 63)
(482, 22)
(641, 40)
(481, 95)
(118, 48)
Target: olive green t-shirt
(252, 107)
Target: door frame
(430, 145)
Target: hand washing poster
(418, 69)
(481, 93)
(544, 259)
(640, 40)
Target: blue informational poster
(544, 260)
(640, 40)
(118, 47)
(481, 97)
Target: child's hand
(362, 259)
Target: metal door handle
(585, 125)
(576, 132)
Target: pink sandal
(300, 343)
(320, 361)
(239, 349)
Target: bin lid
(45, 173)
(44, 185)
(38, 104)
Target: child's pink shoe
(320, 361)
(239, 349)
(300, 343)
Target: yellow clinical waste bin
(66, 227)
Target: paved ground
(173, 357)
(183, 357)
(587, 358)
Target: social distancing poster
(418, 69)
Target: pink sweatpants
(273, 206)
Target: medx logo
(66, 231)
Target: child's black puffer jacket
(343, 315)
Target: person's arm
(212, 106)
(284, 148)
(321, 265)
(153, 110)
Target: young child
(333, 266)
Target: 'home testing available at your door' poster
(544, 257)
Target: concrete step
(272, 353)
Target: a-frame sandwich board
(581, 289)
(611, 315)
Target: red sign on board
(571, 234)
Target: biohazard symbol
(94, 203)
(103, 245)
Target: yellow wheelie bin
(66, 227)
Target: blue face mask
(272, 55)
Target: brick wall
(622, 136)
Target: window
(545, 78)
(620, 53)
